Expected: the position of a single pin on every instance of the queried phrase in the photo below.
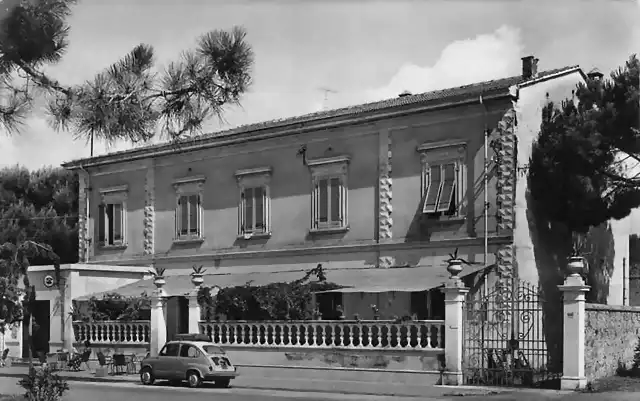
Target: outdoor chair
(5, 355)
(119, 364)
(102, 360)
(80, 359)
(52, 361)
(132, 364)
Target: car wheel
(194, 379)
(224, 383)
(146, 376)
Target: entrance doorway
(40, 329)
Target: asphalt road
(80, 391)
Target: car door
(190, 357)
(167, 360)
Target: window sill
(446, 220)
(329, 230)
(112, 247)
(188, 241)
(254, 236)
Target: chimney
(405, 94)
(529, 67)
(595, 74)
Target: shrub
(634, 371)
(113, 306)
(43, 385)
(275, 301)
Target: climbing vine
(112, 306)
(275, 301)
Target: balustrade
(113, 332)
(376, 334)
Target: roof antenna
(326, 91)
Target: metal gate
(504, 342)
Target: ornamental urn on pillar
(197, 275)
(158, 277)
(454, 264)
(575, 265)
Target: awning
(400, 279)
(406, 279)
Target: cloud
(485, 57)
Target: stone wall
(611, 336)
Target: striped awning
(371, 280)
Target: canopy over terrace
(366, 280)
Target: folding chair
(3, 360)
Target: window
(170, 349)
(112, 216)
(254, 207)
(329, 195)
(188, 213)
(443, 171)
(188, 351)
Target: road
(80, 391)
(83, 391)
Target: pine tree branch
(41, 79)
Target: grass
(615, 383)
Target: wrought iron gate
(504, 342)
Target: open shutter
(177, 217)
(323, 197)
(258, 195)
(334, 193)
(241, 212)
(448, 187)
(193, 215)
(117, 223)
(315, 206)
(101, 224)
(433, 189)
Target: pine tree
(130, 100)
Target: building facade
(379, 194)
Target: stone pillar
(194, 311)
(573, 294)
(68, 337)
(454, 296)
(158, 321)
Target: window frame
(186, 187)
(328, 169)
(112, 196)
(443, 154)
(254, 178)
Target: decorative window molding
(443, 178)
(329, 194)
(188, 213)
(254, 207)
(112, 217)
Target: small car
(190, 357)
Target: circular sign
(49, 281)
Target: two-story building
(378, 193)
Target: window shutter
(433, 190)
(177, 217)
(101, 223)
(448, 187)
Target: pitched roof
(444, 96)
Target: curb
(330, 390)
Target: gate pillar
(158, 334)
(573, 295)
(454, 296)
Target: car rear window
(212, 349)
(170, 349)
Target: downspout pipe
(485, 183)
